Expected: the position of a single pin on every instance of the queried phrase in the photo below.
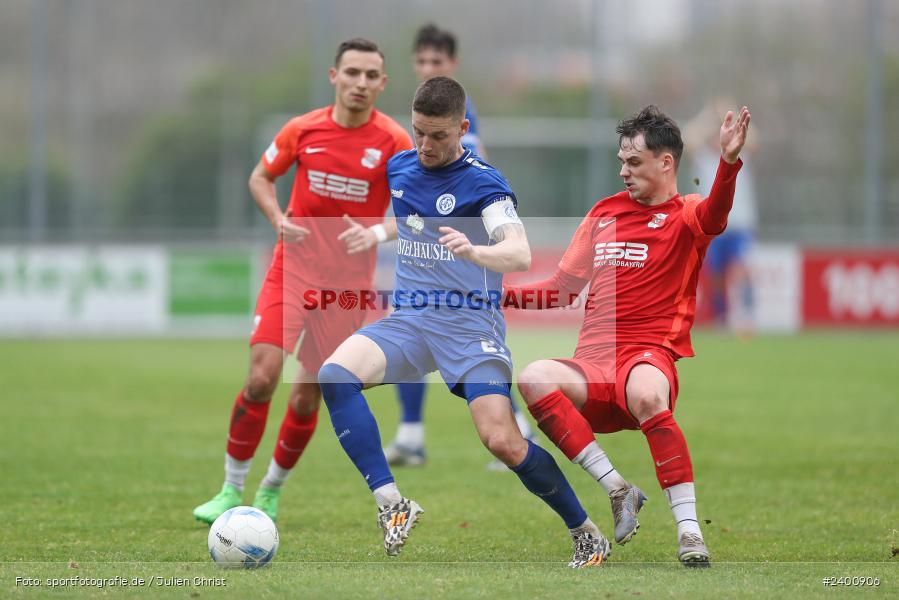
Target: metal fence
(129, 120)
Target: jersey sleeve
(282, 152)
(578, 258)
(710, 215)
(401, 140)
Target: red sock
(562, 423)
(247, 426)
(296, 431)
(669, 449)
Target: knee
(305, 399)
(261, 384)
(645, 402)
(511, 450)
(535, 382)
(334, 374)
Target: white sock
(682, 500)
(523, 425)
(588, 526)
(236, 471)
(387, 494)
(411, 435)
(276, 475)
(595, 462)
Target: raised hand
(733, 134)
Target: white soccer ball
(243, 538)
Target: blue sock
(542, 476)
(412, 400)
(354, 424)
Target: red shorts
(283, 312)
(606, 407)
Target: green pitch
(108, 445)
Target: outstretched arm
(712, 213)
(559, 290)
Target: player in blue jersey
(458, 231)
(435, 54)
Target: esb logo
(338, 186)
(628, 251)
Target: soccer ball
(243, 537)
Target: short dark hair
(360, 44)
(440, 97)
(660, 132)
(431, 36)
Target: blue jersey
(471, 139)
(427, 273)
(447, 313)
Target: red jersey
(642, 263)
(339, 171)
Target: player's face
(643, 172)
(358, 80)
(430, 62)
(438, 139)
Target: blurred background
(129, 130)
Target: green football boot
(266, 500)
(226, 499)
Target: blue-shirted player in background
(435, 55)
(458, 231)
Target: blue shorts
(729, 247)
(470, 353)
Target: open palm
(733, 134)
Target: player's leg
(296, 430)
(715, 264)
(738, 284)
(555, 394)
(408, 446)
(648, 398)
(248, 418)
(534, 466)
(526, 432)
(357, 363)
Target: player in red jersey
(640, 252)
(327, 238)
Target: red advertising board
(850, 287)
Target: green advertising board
(210, 283)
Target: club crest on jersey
(658, 219)
(446, 203)
(371, 158)
(415, 223)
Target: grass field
(108, 445)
